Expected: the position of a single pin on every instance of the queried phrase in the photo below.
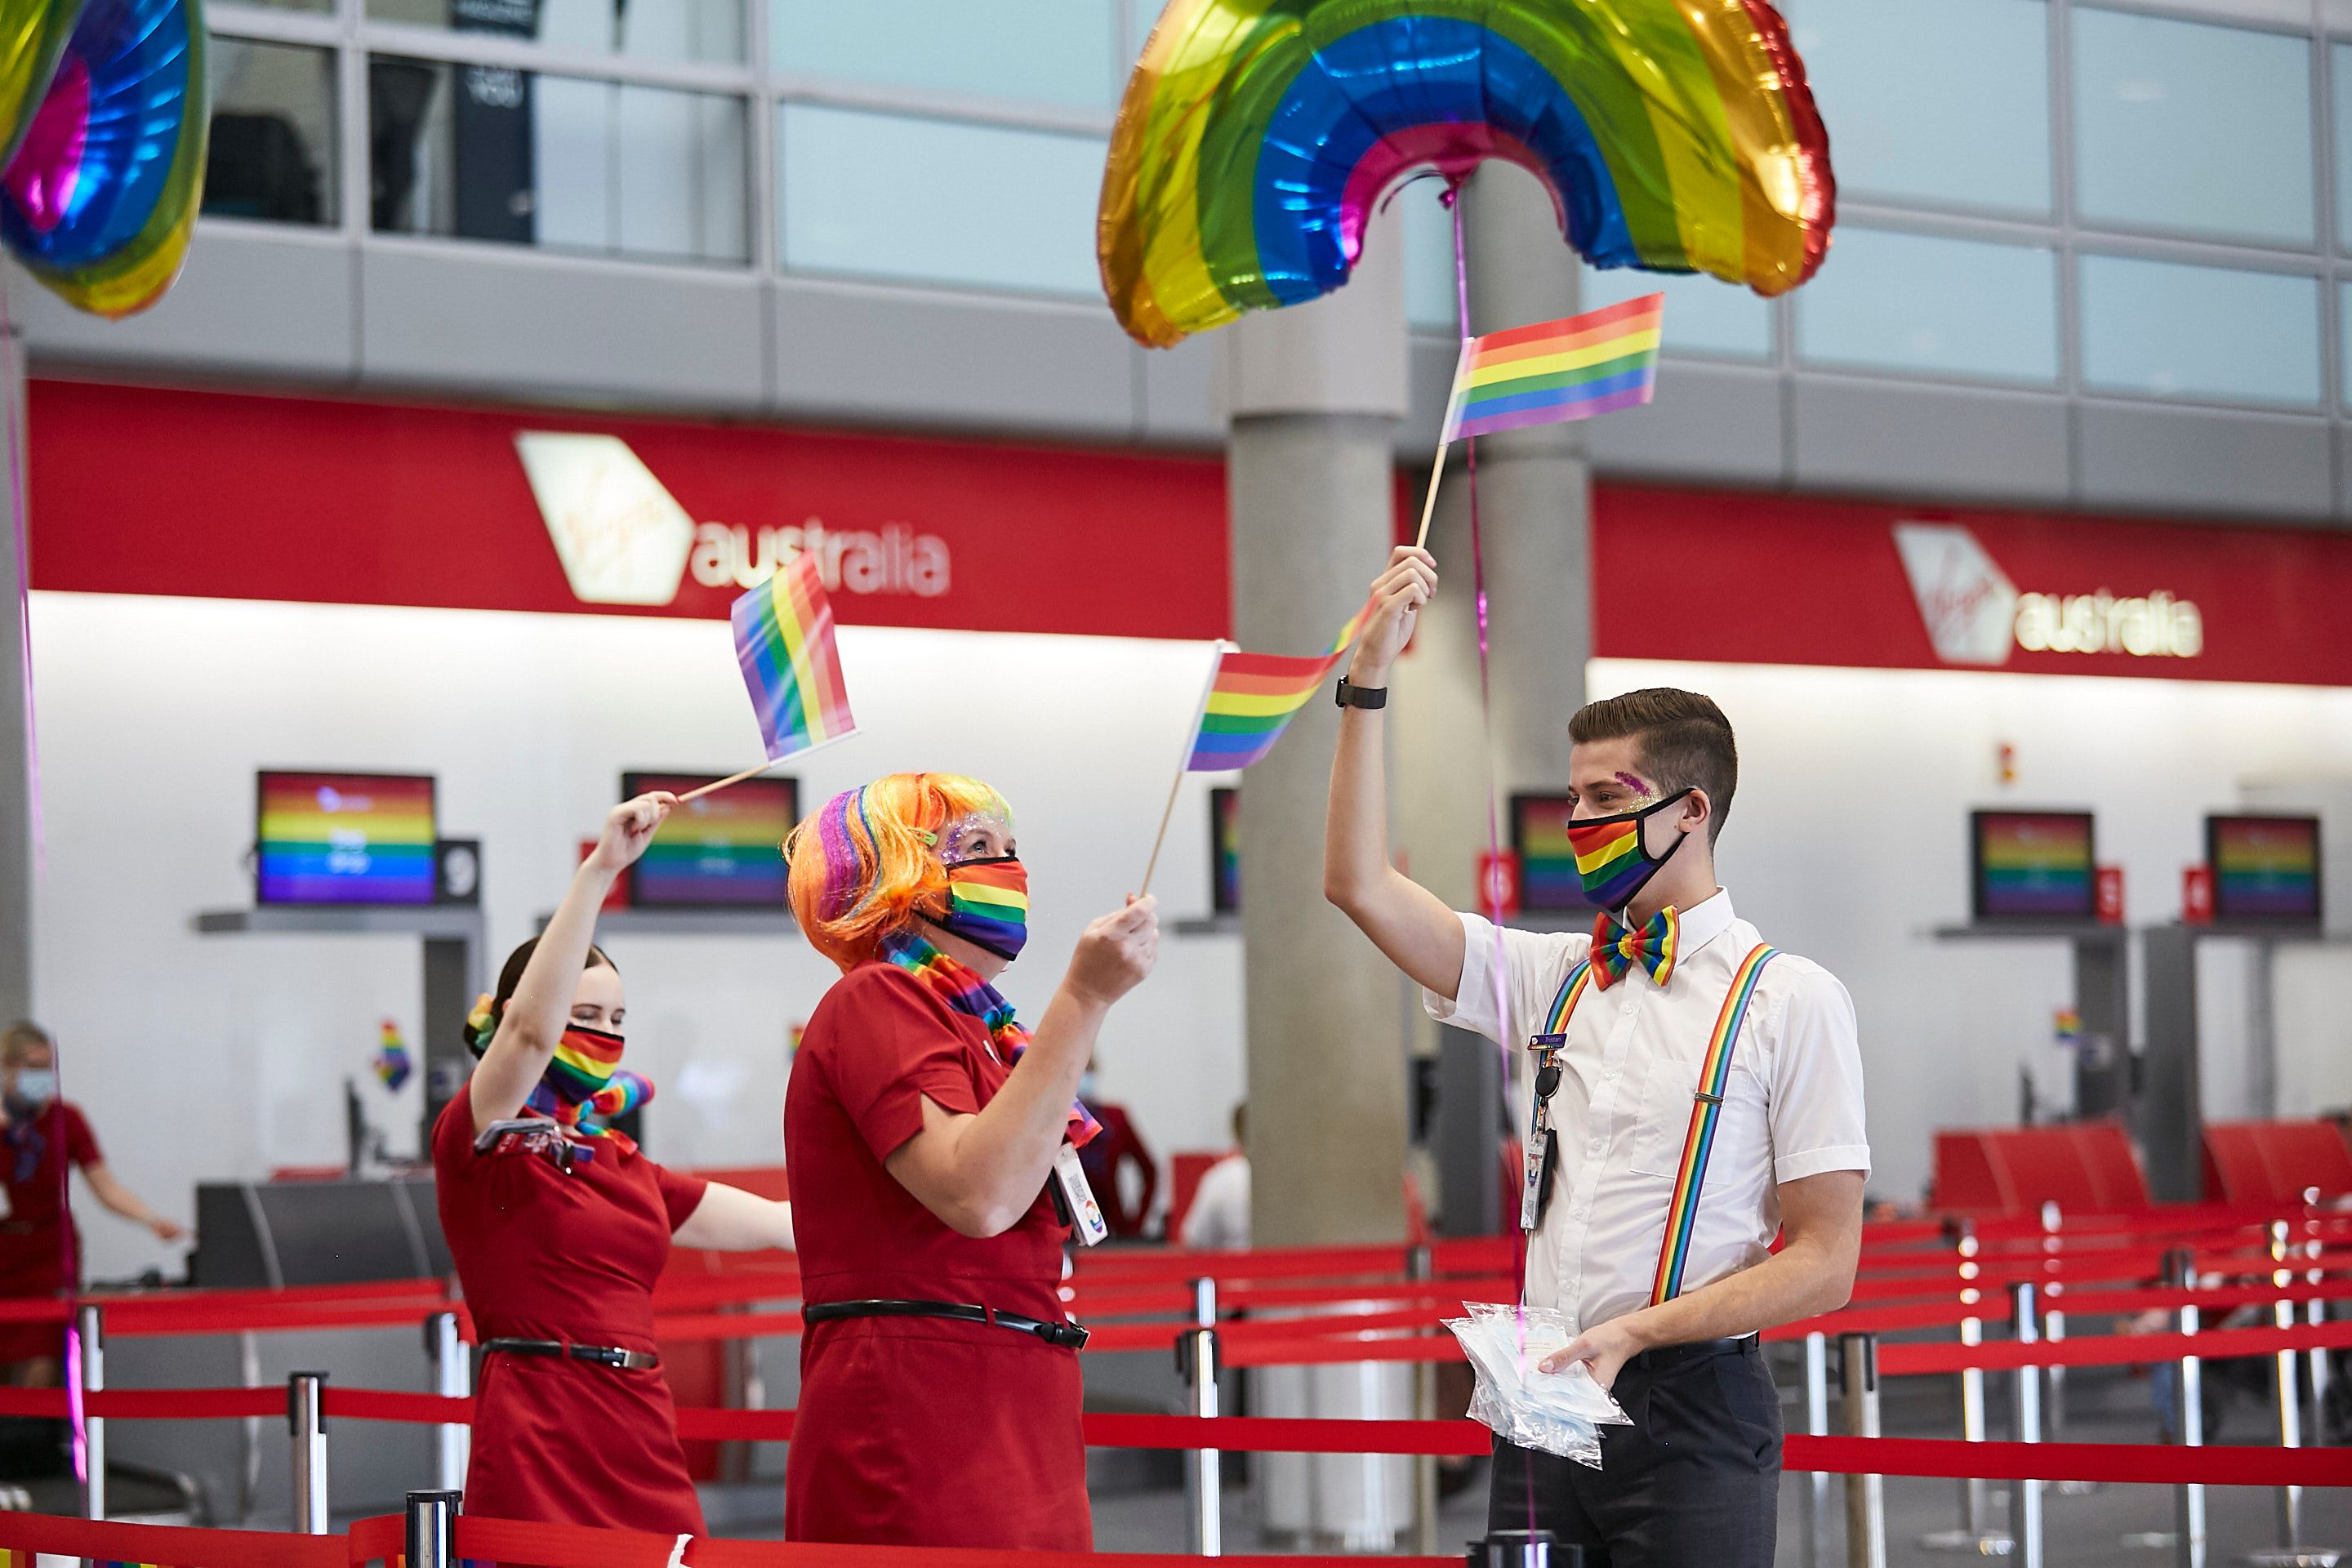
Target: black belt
(1071, 1335)
(1664, 1356)
(602, 1355)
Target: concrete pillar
(1534, 503)
(16, 824)
(1315, 394)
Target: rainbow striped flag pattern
(783, 639)
(1706, 1110)
(1254, 696)
(1553, 372)
(993, 901)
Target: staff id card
(1074, 1197)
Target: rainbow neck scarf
(961, 988)
(585, 1078)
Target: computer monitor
(2265, 869)
(2032, 866)
(343, 838)
(724, 851)
(1548, 879)
(1225, 851)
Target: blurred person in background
(558, 1226)
(1220, 1214)
(934, 1139)
(1118, 1164)
(41, 1136)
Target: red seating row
(2092, 1167)
(2252, 1163)
(2088, 1166)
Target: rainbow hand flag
(392, 1062)
(783, 639)
(1554, 372)
(1253, 696)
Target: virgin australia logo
(1968, 603)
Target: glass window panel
(1048, 51)
(484, 152)
(2343, 319)
(709, 30)
(1952, 307)
(2188, 126)
(937, 200)
(273, 133)
(1892, 123)
(2167, 330)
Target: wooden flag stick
(1429, 507)
(1167, 815)
(1183, 763)
(714, 787)
(717, 785)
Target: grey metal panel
(1181, 402)
(1712, 422)
(527, 324)
(2343, 473)
(1909, 440)
(252, 298)
(915, 357)
(2204, 460)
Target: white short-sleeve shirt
(1792, 1108)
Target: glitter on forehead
(951, 836)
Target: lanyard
(1698, 1142)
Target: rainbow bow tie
(1653, 945)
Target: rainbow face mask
(988, 905)
(1612, 859)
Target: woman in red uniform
(41, 1138)
(560, 1227)
(924, 1127)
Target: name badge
(1531, 1186)
(1078, 1198)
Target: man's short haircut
(1683, 739)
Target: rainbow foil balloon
(101, 195)
(1257, 137)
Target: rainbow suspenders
(1706, 1109)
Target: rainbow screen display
(1225, 850)
(723, 851)
(2264, 867)
(344, 838)
(2034, 865)
(1548, 879)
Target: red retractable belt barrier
(174, 1544)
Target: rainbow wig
(867, 863)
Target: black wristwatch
(1360, 696)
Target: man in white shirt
(1672, 1022)
(1220, 1214)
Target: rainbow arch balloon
(100, 198)
(1257, 137)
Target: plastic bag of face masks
(1557, 1413)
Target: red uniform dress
(40, 1251)
(919, 1431)
(544, 1254)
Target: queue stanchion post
(1523, 1549)
(453, 1378)
(91, 1339)
(1865, 1495)
(1817, 1424)
(2189, 1421)
(2025, 1415)
(306, 1426)
(1974, 1537)
(1196, 1360)
(1420, 1267)
(2053, 1321)
(432, 1529)
(2290, 1552)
